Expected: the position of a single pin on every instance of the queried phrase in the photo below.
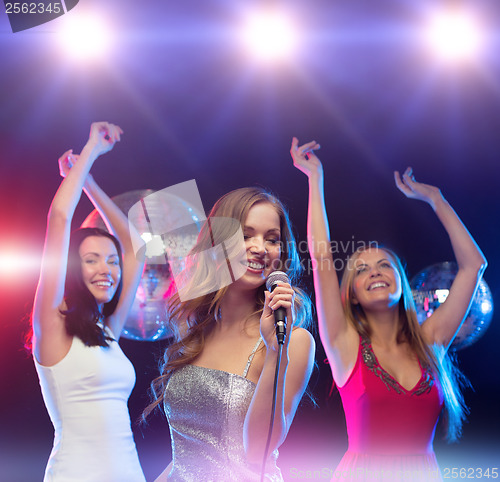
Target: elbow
(482, 268)
(476, 266)
(481, 265)
(253, 455)
(484, 264)
(253, 451)
(58, 215)
(254, 446)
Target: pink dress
(390, 429)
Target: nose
(104, 267)
(374, 272)
(258, 246)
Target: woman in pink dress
(393, 374)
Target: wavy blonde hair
(434, 357)
(193, 319)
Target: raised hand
(66, 162)
(103, 136)
(304, 158)
(416, 190)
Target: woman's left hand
(416, 190)
(281, 297)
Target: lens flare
(85, 37)
(269, 36)
(454, 36)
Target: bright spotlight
(454, 36)
(269, 35)
(13, 264)
(85, 37)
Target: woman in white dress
(84, 294)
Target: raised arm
(338, 337)
(50, 340)
(296, 366)
(443, 325)
(117, 223)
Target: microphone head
(274, 277)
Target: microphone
(279, 313)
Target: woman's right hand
(304, 158)
(281, 297)
(103, 136)
(66, 162)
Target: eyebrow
(383, 259)
(273, 230)
(378, 262)
(97, 254)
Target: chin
(102, 300)
(251, 281)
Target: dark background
(194, 105)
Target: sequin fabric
(206, 410)
(370, 360)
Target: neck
(384, 326)
(236, 307)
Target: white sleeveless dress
(86, 395)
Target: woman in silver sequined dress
(216, 384)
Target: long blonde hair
(192, 320)
(433, 357)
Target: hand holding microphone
(280, 313)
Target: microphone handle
(280, 323)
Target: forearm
(467, 252)
(326, 286)
(317, 221)
(259, 413)
(115, 220)
(69, 192)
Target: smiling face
(100, 267)
(262, 234)
(376, 280)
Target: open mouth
(378, 284)
(255, 265)
(103, 284)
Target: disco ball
(147, 320)
(430, 288)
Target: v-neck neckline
(366, 345)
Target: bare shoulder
(301, 339)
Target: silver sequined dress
(206, 410)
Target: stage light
(14, 265)
(454, 36)
(269, 35)
(85, 37)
